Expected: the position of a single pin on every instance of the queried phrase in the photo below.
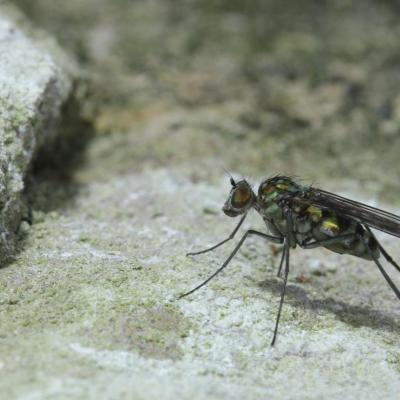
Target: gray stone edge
(28, 128)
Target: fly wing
(371, 216)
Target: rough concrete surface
(89, 307)
(35, 82)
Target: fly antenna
(232, 181)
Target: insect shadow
(354, 315)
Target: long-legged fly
(308, 217)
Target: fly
(307, 217)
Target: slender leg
(384, 273)
(336, 239)
(289, 227)
(281, 263)
(286, 252)
(385, 254)
(290, 240)
(231, 236)
(383, 251)
(235, 250)
(388, 257)
(276, 227)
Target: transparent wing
(371, 216)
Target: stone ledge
(36, 80)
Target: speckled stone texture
(35, 82)
(89, 308)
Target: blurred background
(304, 87)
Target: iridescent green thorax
(272, 190)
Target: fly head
(241, 199)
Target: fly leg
(274, 239)
(383, 251)
(385, 275)
(289, 241)
(374, 258)
(281, 263)
(286, 257)
(231, 236)
(283, 253)
(383, 272)
(323, 242)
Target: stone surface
(35, 82)
(96, 315)
(88, 309)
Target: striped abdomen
(315, 224)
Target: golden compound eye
(241, 196)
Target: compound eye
(241, 196)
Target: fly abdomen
(357, 241)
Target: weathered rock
(88, 309)
(35, 81)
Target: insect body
(308, 217)
(280, 198)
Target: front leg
(231, 236)
(235, 250)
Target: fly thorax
(303, 225)
(271, 193)
(271, 211)
(273, 190)
(274, 218)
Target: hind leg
(383, 251)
